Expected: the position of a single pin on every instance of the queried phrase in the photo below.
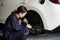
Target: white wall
(8, 7)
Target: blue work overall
(13, 30)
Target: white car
(44, 11)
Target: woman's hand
(28, 26)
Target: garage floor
(46, 36)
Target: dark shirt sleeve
(16, 26)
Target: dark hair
(21, 9)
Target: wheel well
(34, 18)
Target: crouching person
(14, 30)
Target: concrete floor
(46, 36)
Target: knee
(26, 33)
